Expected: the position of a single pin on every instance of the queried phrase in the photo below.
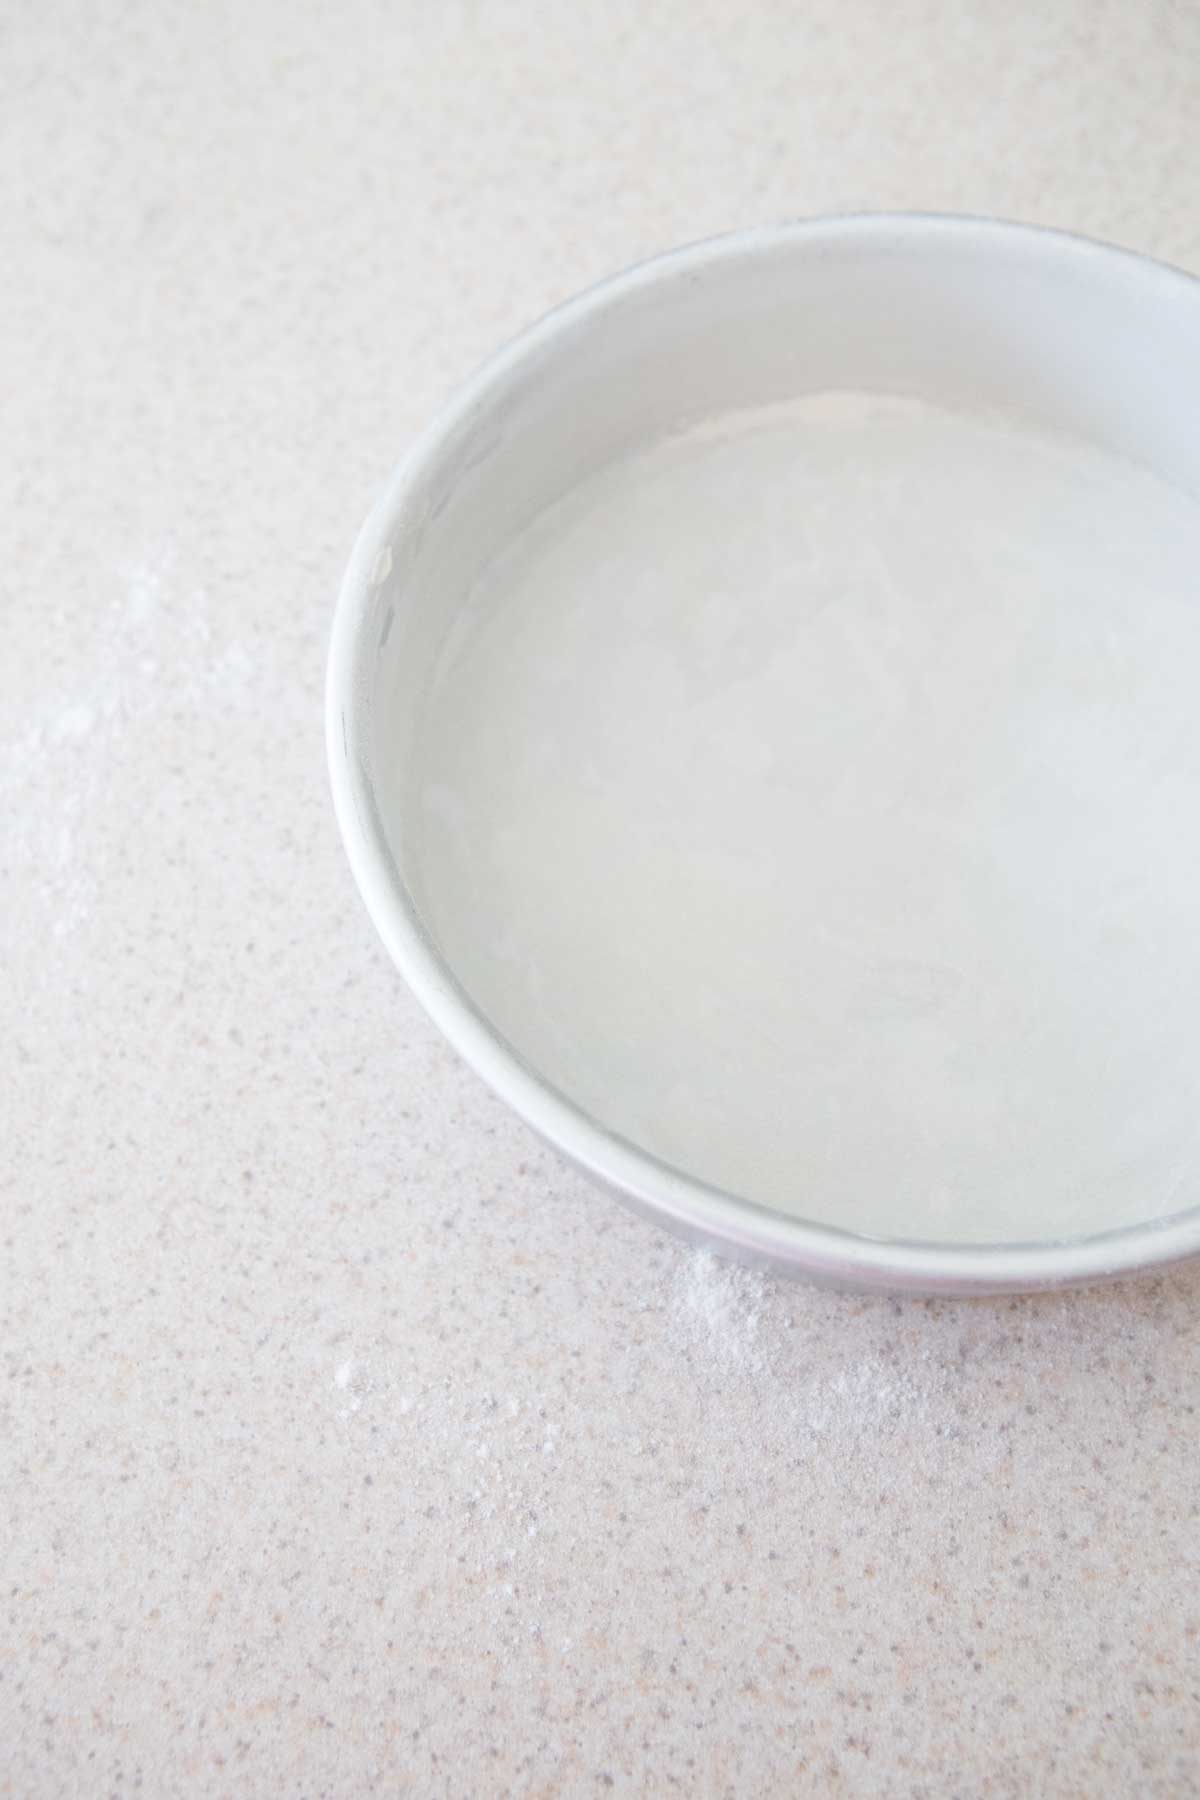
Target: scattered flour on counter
(74, 722)
(692, 1401)
(738, 1329)
(58, 776)
(353, 1381)
(498, 1477)
(717, 1309)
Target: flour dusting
(717, 1309)
(726, 1413)
(751, 1334)
(57, 775)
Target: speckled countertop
(350, 1443)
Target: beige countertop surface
(351, 1444)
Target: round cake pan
(758, 725)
